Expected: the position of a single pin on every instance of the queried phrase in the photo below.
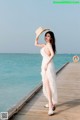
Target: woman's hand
(45, 67)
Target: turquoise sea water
(20, 73)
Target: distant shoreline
(39, 53)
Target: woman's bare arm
(38, 44)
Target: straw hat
(40, 30)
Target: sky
(19, 20)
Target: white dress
(51, 75)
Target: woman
(48, 73)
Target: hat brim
(45, 30)
(42, 31)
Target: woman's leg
(48, 91)
(46, 88)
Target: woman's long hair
(52, 41)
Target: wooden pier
(68, 107)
